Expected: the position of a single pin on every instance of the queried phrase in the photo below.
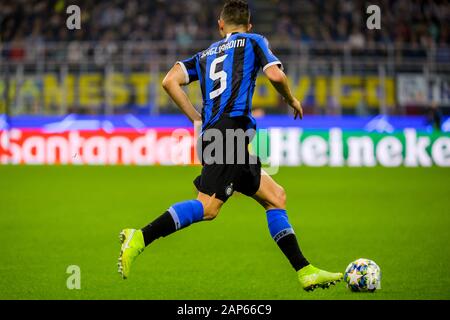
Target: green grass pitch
(53, 217)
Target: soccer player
(227, 72)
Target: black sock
(289, 245)
(161, 227)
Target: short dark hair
(236, 12)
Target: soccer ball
(363, 275)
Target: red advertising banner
(98, 147)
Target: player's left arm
(172, 83)
(273, 69)
(280, 82)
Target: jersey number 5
(218, 75)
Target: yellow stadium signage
(90, 90)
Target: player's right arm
(172, 83)
(280, 82)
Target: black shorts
(242, 173)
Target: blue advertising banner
(381, 124)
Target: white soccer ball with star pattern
(363, 275)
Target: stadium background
(372, 98)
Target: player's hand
(298, 110)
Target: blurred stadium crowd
(415, 22)
(114, 63)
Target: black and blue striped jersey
(227, 72)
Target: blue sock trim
(175, 218)
(186, 213)
(279, 225)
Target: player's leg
(182, 215)
(273, 198)
(178, 216)
(215, 186)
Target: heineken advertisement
(336, 147)
(170, 140)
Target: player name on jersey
(237, 43)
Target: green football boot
(132, 242)
(311, 278)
